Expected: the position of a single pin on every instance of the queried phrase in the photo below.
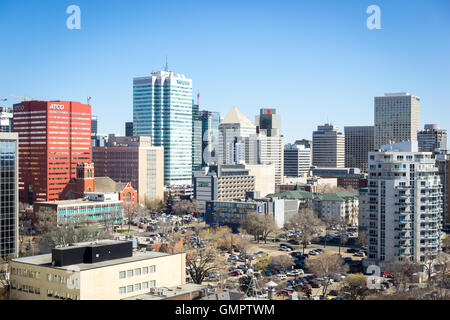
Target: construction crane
(89, 100)
(23, 98)
(2, 100)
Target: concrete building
(328, 147)
(210, 133)
(54, 136)
(339, 205)
(297, 160)
(223, 183)
(196, 138)
(129, 129)
(443, 165)
(269, 122)
(232, 129)
(396, 118)
(346, 177)
(404, 200)
(6, 116)
(432, 138)
(233, 213)
(107, 270)
(358, 143)
(135, 160)
(9, 195)
(96, 208)
(162, 109)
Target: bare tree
(262, 262)
(304, 224)
(355, 285)
(259, 225)
(182, 207)
(326, 266)
(5, 283)
(402, 271)
(45, 221)
(134, 211)
(282, 261)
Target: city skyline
(310, 82)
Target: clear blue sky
(312, 60)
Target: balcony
(403, 220)
(406, 212)
(403, 238)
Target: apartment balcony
(406, 212)
(403, 204)
(403, 254)
(430, 244)
(403, 246)
(431, 236)
(403, 220)
(402, 187)
(402, 196)
(403, 229)
(403, 238)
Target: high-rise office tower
(210, 137)
(297, 160)
(196, 138)
(54, 136)
(396, 118)
(94, 125)
(128, 129)
(404, 204)
(328, 147)
(358, 144)
(443, 165)
(5, 119)
(162, 109)
(432, 138)
(9, 204)
(232, 129)
(269, 121)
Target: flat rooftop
(76, 201)
(45, 260)
(171, 292)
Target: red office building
(54, 136)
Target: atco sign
(19, 108)
(57, 106)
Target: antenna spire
(166, 67)
(198, 98)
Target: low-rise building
(105, 270)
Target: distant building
(196, 138)
(443, 165)
(135, 160)
(94, 125)
(9, 186)
(346, 177)
(396, 118)
(129, 129)
(233, 213)
(297, 160)
(105, 270)
(162, 109)
(328, 147)
(54, 136)
(6, 116)
(432, 138)
(358, 143)
(210, 137)
(339, 205)
(269, 122)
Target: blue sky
(312, 60)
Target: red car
(235, 273)
(386, 274)
(286, 292)
(141, 226)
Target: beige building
(135, 160)
(328, 147)
(107, 270)
(264, 177)
(396, 118)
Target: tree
(155, 206)
(5, 283)
(183, 207)
(402, 271)
(304, 224)
(262, 262)
(443, 277)
(326, 266)
(225, 239)
(362, 238)
(134, 211)
(282, 261)
(355, 285)
(201, 260)
(45, 221)
(65, 236)
(259, 225)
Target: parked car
(313, 253)
(333, 293)
(293, 241)
(276, 240)
(348, 259)
(285, 249)
(360, 254)
(281, 277)
(314, 284)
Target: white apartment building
(432, 138)
(297, 160)
(404, 204)
(396, 118)
(328, 147)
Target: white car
(285, 249)
(281, 277)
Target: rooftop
(237, 116)
(45, 260)
(167, 293)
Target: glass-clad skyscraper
(196, 138)
(9, 203)
(162, 109)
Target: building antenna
(198, 99)
(166, 67)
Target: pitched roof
(237, 116)
(106, 184)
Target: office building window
(122, 275)
(122, 290)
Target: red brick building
(53, 137)
(86, 182)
